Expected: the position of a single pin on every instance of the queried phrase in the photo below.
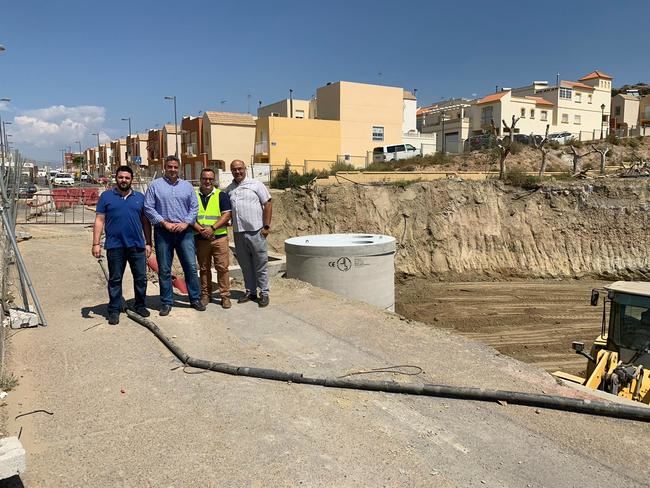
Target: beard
(124, 186)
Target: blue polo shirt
(123, 224)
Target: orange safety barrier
(68, 197)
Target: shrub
(380, 166)
(575, 143)
(286, 178)
(633, 143)
(341, 166)
(518, 177)
(613, 139)
(554, 145)
(516, 147)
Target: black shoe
(197, 305)
(113, 318)
(247, 298)
(263, 301)
(142, 311)
(164, 310)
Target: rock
(19, 318)
(12, 457)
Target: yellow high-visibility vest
(209, 216)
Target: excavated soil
(510, 266)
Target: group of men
(191, 223)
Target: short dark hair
(210, 170)
(125, 169)
(171, 157)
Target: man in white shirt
(251, 221)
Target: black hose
(614, 410)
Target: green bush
(381, 166)
(554, 145)
(575, 143)
(516, 147)
(613, 139)
(341, 166)
(518, 177)
(633, 143)
(286, 178)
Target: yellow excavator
(619, 361)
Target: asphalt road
(126, 413)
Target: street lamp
(602, 119)
(173, 97)
(128, 149)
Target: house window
(377, 133)
(565, 93)
(617, 111)
(578, 97)
(523, 113)
(532, 113)
(299, 114)
(543, 115)
(565, 118)
(576, 119)
(589, 97)
(486, 116)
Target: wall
(229, 142)
(282, 108)
(409, 115)
(629, 111)
(297, 140)
(462, 230)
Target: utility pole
(173, 97)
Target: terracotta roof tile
(596, 74)
(230, 118)
(493, 97)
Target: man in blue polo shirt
(120, 213)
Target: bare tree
(542, 146)
(576, 159)
(603, 151)
(504, 144)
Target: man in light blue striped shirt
(171, 206)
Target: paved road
(126, 414)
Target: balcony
(190, 149)
(262, 147)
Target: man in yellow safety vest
(211, 237)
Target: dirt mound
(455, 230)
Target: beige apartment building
(194, 156)
(228, 136)
(625, 111)
(534, 113)
(118, 152)
(580, 107)
(137, 149)
(155, 155)
(170, 141)
(291, 108)
(644, 111)
(308, 143)
(449, 121)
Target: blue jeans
(117, 259)
(252, 256)
(183, 243)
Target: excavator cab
(619, 360)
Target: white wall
(409, 121)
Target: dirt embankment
(458, 230)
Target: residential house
(137, 154)
(534, 113)
(155, 154)
(625, 112)
(644, 111)
(194, 156)
(449, 121)
(289, 107)
(118, 153)
(171, 142)
(228, 136)
(580, 107)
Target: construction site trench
(511, 267)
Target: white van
(393, 153)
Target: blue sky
(73, 68)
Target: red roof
(576, 84)
(539, 101)
(596, 74)
(491, 98)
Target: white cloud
(58, 125)
(4, 106)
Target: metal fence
(59, 206)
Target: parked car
(560, 137)
(393, 153)
(63, 179)
(26, 190)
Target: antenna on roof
(557, 79)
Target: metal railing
(59, 206)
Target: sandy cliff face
(455, 230)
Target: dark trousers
(117, 259)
